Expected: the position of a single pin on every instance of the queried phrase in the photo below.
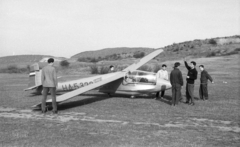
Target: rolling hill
(103, 53)
(197, 48)
(220, 46)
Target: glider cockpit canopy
(140, 77)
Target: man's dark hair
(50, 60)
(201, 66)
(194, 63)
(164, 65)
(177, 64)
(111, 66)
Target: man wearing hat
(191, 77)
(176, 81)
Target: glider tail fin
(34, 77)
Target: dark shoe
(187, 102)
(44, 112)
(191, 104)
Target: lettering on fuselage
(74, 86)
(97, 80)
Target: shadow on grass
(84, 101)
(135, 97)
(94, 98)
(99, 97)
(33, 94)
(166, 99)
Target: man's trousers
(203, 91)
(190, 93)
(176, 93)
(162, 93)
(53, 94)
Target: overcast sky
(67, 27)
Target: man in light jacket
(49, 82)
(162, 74)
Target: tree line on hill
(112, 57)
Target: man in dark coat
(176, 81)
(203, 89)
(191, 77)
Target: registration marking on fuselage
(73, 86)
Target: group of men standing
(49, 82)
(176, 80)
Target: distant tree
(211, 54)
(82, 59)
(145, 68)
(13, 69)
(94, 69)
(237, 49)
(64, 63)
(100, 58)
(103, 69)
(28, 68)
(107, 57)
(156, 68)
(138, 54)
(212, 41)
(94, 60)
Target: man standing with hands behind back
(49, 82)
(191, 77)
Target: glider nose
(168, 84)
(164, 84)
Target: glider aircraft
(129, 81)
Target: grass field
(93, 119)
